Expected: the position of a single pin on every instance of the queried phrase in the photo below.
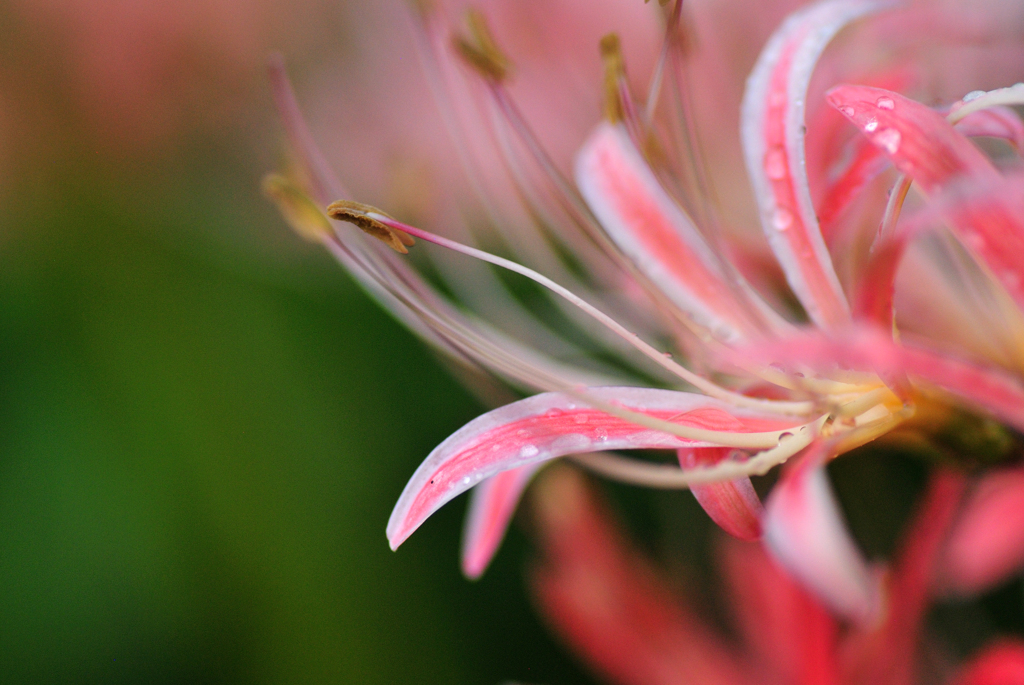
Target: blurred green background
(203, 422)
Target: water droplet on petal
(782, 219)
(528, 451)
(885, 103)
(466, 480)
(973, 95)
(871, 125)
(847, 110)
(888, 138)
(785, 436)
(775, 164)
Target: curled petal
(804, 530)
(608, 603)
(491, 508)
(998, 664)
(654, 233)
(733, 505)
(986, 545)
(918, 140)
(773, 143)
(552, 425)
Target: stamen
(893, 207)
(360, 215)
(614, 72)
(364, 214)
(647, 474)
(299, 211)
(480, 50)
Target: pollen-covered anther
(479, 50)
(614, 73)
(365, 217)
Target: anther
(301, 213)
(479, 50)
(359, 214)
(614, 74)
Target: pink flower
(636, 251)
(612, 607)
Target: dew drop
(782, 219)
(466, 480)
(889, 138)
(847, 110)
(785, 436)
(973, 95)
(528, 451)
(871, 126)
(601, 436)
(885, 103)
(775, 164)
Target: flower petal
(787, 628)
(552, 425)
(923, 145)
(733, 505)
(918, 140)
(773, 142)
(804, 530)
(655, 234)
(490, 511)
(999, 664)
(607, 602)
(889, 654)
(995, 122)
(986, 545)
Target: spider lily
(612, 607)
(651, 270)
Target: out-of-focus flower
(140, 71)
(637, 258)
(630, 625)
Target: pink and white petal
(655, 234)
(608, 603)
(773, 142)
(923, 145)
(552, 425)
(998, 664)
(805, 532)
(918, 140)
(491, 506)
(986, 546)
(733, 505)
(996, 122)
